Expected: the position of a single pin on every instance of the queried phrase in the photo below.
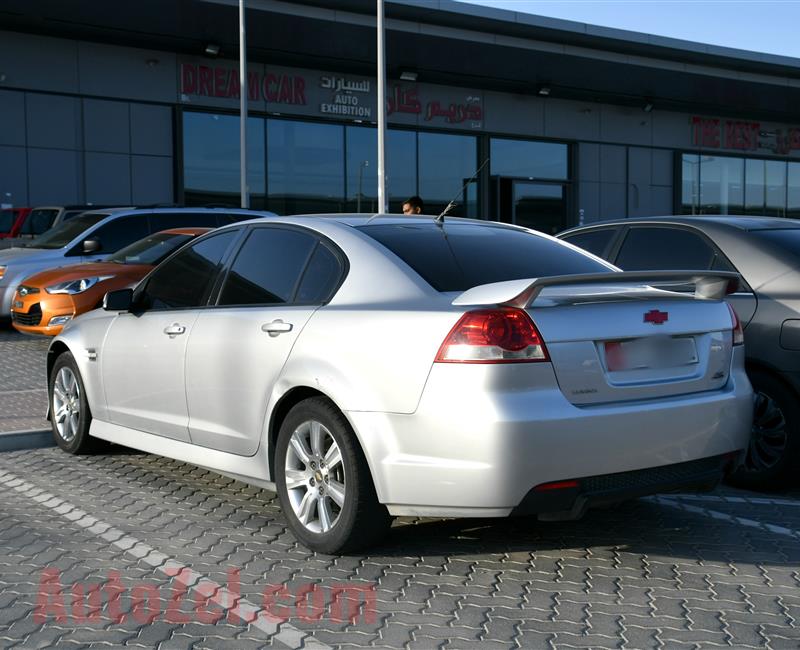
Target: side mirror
(119, 300)
(91, 246)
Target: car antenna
(440, 219)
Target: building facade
(542, 123)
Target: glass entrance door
(539, 206)
(533, 204)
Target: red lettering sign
(299, 91)
(188, 79)
(742, 135)
(705, 132)
(204, 87)
(220, 82)
(223, 82)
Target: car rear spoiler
(710, 285)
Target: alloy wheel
(769, 437)
(315, 478)
(66, 404)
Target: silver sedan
(374, 367)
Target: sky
(759, 25)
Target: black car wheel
(773, 449)
(323, 481)
(69, 409)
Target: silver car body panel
(440, 438)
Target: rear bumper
(568, 501)
(481, 440)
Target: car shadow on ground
(644, 527)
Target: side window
(185, 280)
(268, 267)
(320, 278)
(650, 249)
(595, 241)
(165, 220)
(120, 232)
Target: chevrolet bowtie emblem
(656, 317)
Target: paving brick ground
(23, 394)
(690, 571)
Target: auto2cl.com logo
(185, 601)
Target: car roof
(738, 222)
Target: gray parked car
(368, 367)
(766, 252)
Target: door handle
(276, 327)
(174, 330)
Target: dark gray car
(766, 252)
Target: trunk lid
(638, 347)
(613, 338)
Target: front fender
(84, 340)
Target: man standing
(414, 205)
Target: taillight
(738, 332)
(502, 335)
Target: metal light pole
(243, 97)
(382, 206)
(364, 163)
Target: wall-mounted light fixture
(212, 49)
(543, 91)
(152, 63)
(408, 75)
(647, 107)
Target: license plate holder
(651, 353)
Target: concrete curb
(18, 440)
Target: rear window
(457, 257)
(663, 248)
(594, 241)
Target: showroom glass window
(361, 144)
(721, 185)
(793, 191)
(736, 185)
(211, 159)
(447, 163)
(527, 159)
(690, 184)
(305, 167)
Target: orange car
(45, 302)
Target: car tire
(331, 506)
(773, 452)
(70, 415)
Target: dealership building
(541, 122)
